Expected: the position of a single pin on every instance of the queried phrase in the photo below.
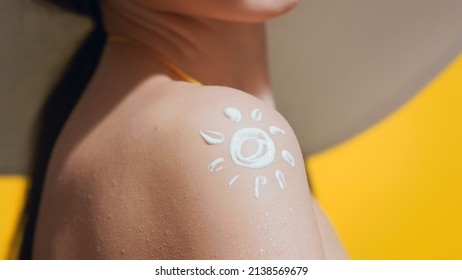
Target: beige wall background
(341, 66)
(337, 66)
(36, 40)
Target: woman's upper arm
(234, 181)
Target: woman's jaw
(209, 48)
(228, 10)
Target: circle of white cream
(264, 153)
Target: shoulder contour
(233, 171)
(220, 105)
(222, 131)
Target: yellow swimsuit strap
(167, 62)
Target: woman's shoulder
(230, 175)
(209, 172)
(194, 120)
(180, 99)
(206, 130)
(190, 106)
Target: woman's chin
(253, 11)
(228, 10)
(264, 10)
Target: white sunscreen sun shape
(263, 155)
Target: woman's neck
(211, 51)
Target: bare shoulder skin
(240, 183)
(142, 185)
(149, 167)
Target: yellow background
(12, 190)
(395, 190)
(392, 192)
